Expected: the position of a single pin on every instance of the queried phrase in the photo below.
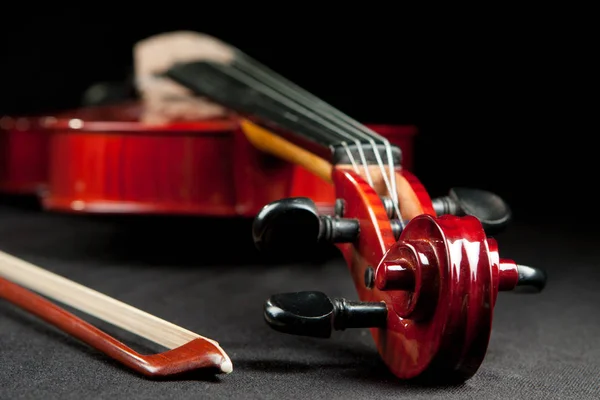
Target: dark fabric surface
(205, 276)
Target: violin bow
(188, 350)
(426, 273)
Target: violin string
(251, 66)
(259, 86)
(323, 129)
(353, 161)
(313, 100)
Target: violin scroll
(493, 212)
(427, 296)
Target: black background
(501, 100)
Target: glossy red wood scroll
(439, 281)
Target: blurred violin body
(23, 155)
(105, 160)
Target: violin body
(104, 160)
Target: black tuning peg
(493, 212)
(316, 315)
(531, 279)
(295, 222)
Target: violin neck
(247, 87)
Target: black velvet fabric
(206, 276)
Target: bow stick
(188, 350)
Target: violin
(426, 271)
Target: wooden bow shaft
(189, 351)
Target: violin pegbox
(427, 296)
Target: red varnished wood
(445, 321)
(23, 155)
(506, 273)
(123, 167)
(194, 355)
(447, 277)
(421, 194)
(104, 160)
